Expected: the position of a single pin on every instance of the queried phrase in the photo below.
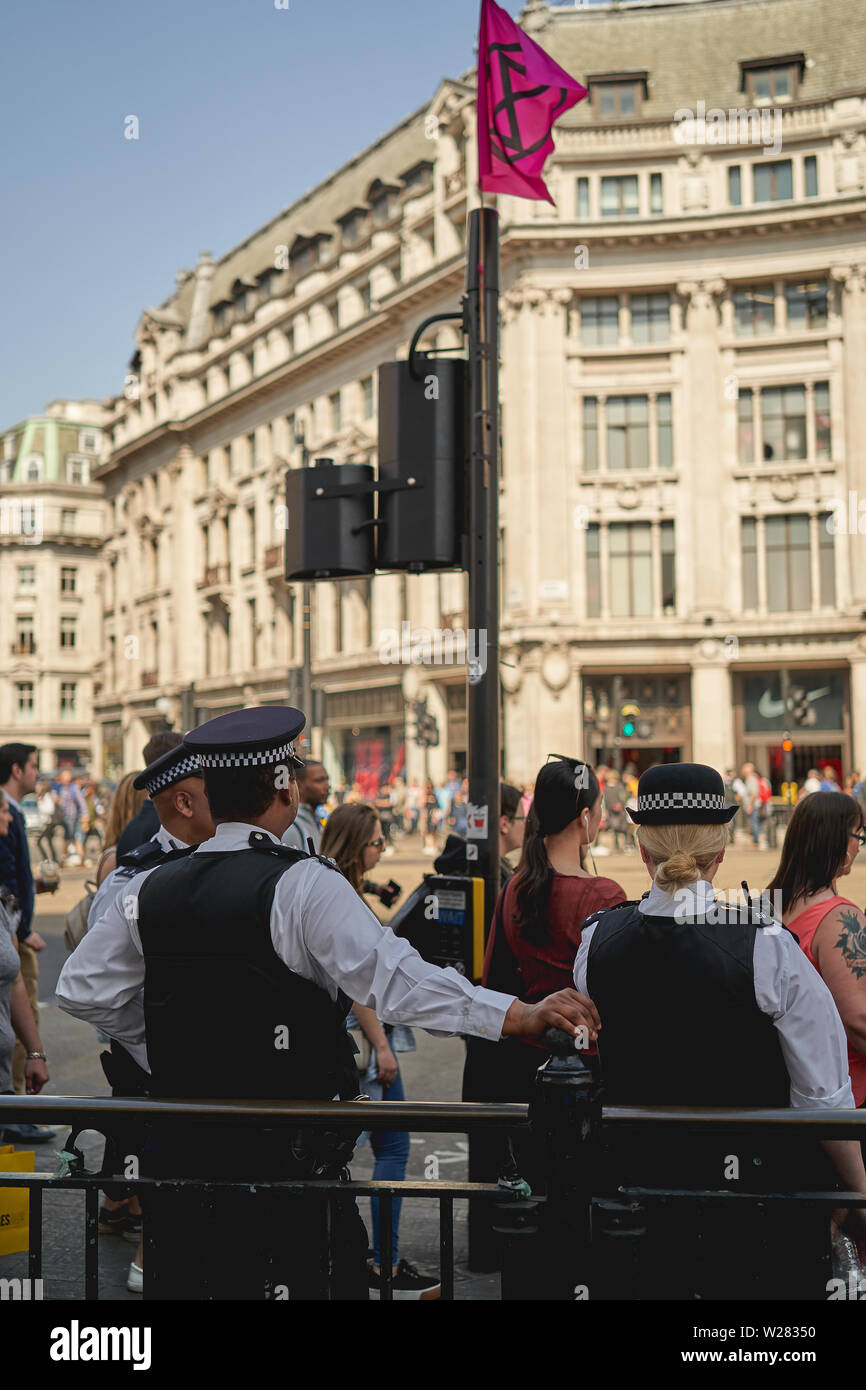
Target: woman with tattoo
(821, 844)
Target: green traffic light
(627, 729)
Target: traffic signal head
(628, 715)
(422, 443)
(787, 745)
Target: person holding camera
(353, 838)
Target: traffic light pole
(482, 326)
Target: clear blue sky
(242, 107)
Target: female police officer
(708, 1005)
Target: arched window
(32, 470)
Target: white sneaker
(135, 1278)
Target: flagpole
(482, 318)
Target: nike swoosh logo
(768, 708)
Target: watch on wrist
(32, 1056)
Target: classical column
(712, 712)
(554, 534)
(858, 705)
(703, 371)
(852, 283)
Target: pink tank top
(805, 925)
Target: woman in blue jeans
(353, 837)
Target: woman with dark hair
(822, 841)
(551, 893)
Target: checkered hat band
(185, 768)
(681, 801)
(269, 756)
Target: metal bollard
(565, 1116)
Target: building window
(88, 441)
(656, 202)
(220, 316)
(68, 699)
(599, 321)
(32, 470)
(822, 420)
(367, 400)
(26, 579)
(735, 185)
(68, 632)
(627, 432)
(616, 98)
(754, 311)
(251, 609)
(366, 293)
(68, 579)
(789, 579)
(650, 318)
(241, 303)
(77, 470)
(67, 520)
(590, 434)
(251, 535)
(826, 562)
(749, 552)
(810, 175)
(773, 183)
(335, 408)
(251, 451)
(24, 693)
(583, 198)
(783, 417)
(745, 427)
(351, 226)
(807, 305)
(669, 568)
(631, 579)
(593, 571)
(619, 195)
(266, 285)
(771, 82)
(25, 637)
(383, 206)
(664, 416)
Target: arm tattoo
(852, 944)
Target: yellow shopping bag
(15, 1201)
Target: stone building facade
(683, 350)
(52, 529)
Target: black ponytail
(563, 791)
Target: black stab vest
(680, 1022)
(224, 1016)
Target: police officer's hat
(681, 794)
(259, 737)
(167, 769)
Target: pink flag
(521, 92)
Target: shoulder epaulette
(147, 856)
(265, 845)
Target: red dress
(549, 966)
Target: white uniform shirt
(320, 929)
(787, 987)
(112, 882)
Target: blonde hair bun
(682, 853)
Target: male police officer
(249, 953)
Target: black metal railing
(572, 1221)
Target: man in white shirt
(248, 953)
